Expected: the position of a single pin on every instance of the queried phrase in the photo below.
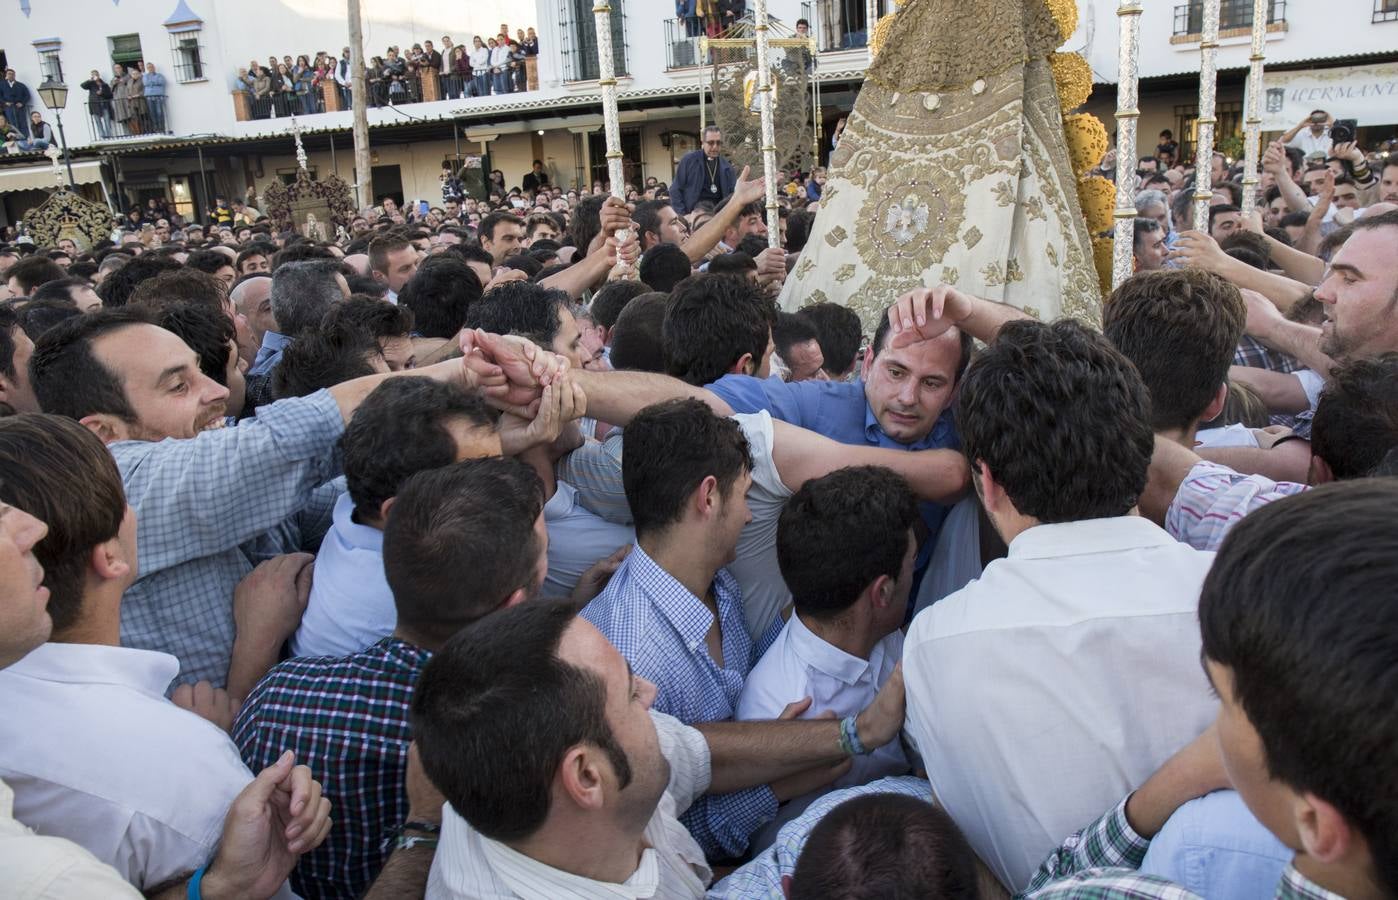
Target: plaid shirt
(1212, 498)
(1100, 862)
(198, 502)
(659, 626)
(1255, 354)
(346, 718)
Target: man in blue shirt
(903, 398)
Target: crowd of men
(485, 554)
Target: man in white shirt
(1069, 671)
(588, 808)
(1311, 134)
(846, 548)
(89, 746)
(406, 425)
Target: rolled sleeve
(1212, 498)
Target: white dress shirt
(480, 59)
(351, 606)
(801, 664)
(577, 539)
(1309, 143)
(95, 753)
(1060, 680)
(469, 865)
(33, 867)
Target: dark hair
(207, 332)
(798, 229)
(300, 251)
(877, 846)
(322, 359)
(490, 222)
(38, 316)
(498, 679)
(32, 271)
(67, 377)
(179, 286)
(1356, 420)
(9, 321)
(518, 307)
(712, 322)
(119, 284)
(1066, 391)
(839, 332)
(209, 261)
(637, 341)
(753, 245)
(608, 303)
(43, 457)
(664, 266)
(381, 246)
(647, 217)
(1180, 327)
(302, 293)
(378, 317)
(1214, 212)
(59, 289)
(586, 223)
(439, 295)
(402, 428)
(1294, 220)
(839, 533)
(523, 262)
(671, 448)
(735, 263)
(468, 252)
(254, 250)
(460, 540)
(1383, 220)
(1142, 226)
(1310, 636)
(1251, 243)
(790, 330)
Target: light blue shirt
(660, 627)
(153, 83)
(1216, 848)
(577, 539)
(351, 606)
(269, 354)
(761, 879)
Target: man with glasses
(703, 175)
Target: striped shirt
(1213, 498)
(347, 719)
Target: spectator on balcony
(261, 94)
(284, 89)
(121, 90)
(344, 77)
(40, 136)
(458, 79)
(395, 72)
(153, 84)
(14, 103)
(499, 67)
(530, 44)
(518, 81)
(99, 104)
(325, 71)
(136, 101)
(480, 65)
(377, 82)
(303, 76)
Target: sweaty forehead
(939, 356)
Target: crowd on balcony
(709, 17)
(131, 102)
(490, 65)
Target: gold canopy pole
(1252, 126)
(769, 140)
(1127, 98)
(1208, 88)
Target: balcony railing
(1385, 11)
(109, 120)
(1232, 15)
(682, 38)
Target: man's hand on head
(925, 313)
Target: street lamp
(55, 97)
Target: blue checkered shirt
(346, 718)
(659, 626)
(207, 508)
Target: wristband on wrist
(849, 737)
(192, 892)
(408, 842)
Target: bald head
(360, 262)
(253, 298)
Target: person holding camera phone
(1313, 134)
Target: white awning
(41, 178)
(1368, 94)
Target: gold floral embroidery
(836, 236)
(950, 275)
(803, 268)
(991, 274)
(844, 273)
(972, 237)
(1012, 270)
(1052, 255)
(1034, 208)
(1004, 193)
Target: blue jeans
(501, 82)
(482, 84)
(103, 123)
(36, 144)
(156, 104)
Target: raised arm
(924, 313)
(706, 238)
(1297, 339)
(1274, 160)
(941, 476)
(616, 397)
(1197, 249)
